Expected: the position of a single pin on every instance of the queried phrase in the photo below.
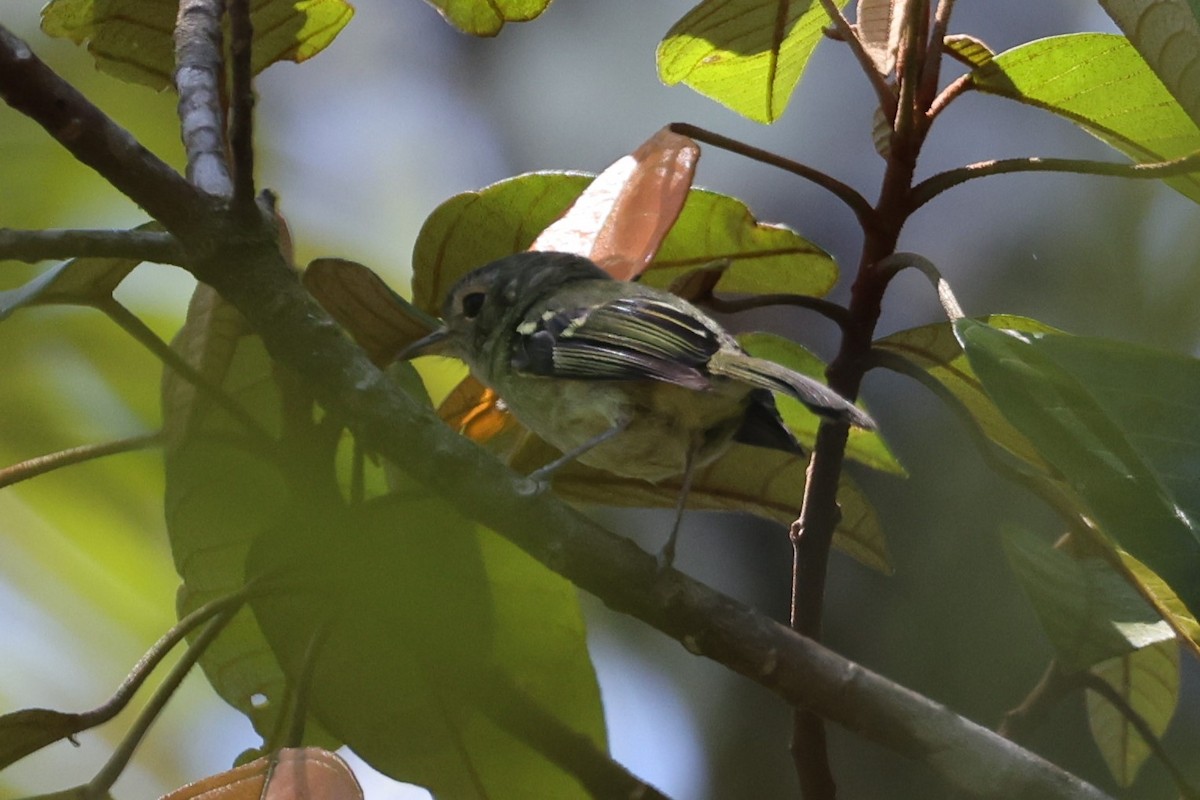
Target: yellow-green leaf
(1099, 82)
(487, 17)
(133, 39)
(1148, 682)
(748, 55)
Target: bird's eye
(472, 304)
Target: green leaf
(934, 349)
(968, 49)
(1099, 82)
(748, 55)
(746, 479)
(1087, 609)
(132, 39)
(1090, 450)
(866, 447)
(1148, 682)
(411, 621)
(473, 228)
(1167, 34)
(487, 17)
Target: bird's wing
(626, 338)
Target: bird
(618, 375)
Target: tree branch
(31, 246)
(241, 117)
(31, 468)
(32, 88)
(199, 76)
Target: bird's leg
(666, 556)
(539, 479)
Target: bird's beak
(435, 344)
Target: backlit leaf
(1148, 681)
(1088, 610)
(487, 17)
(288, 774)
(748, 55)
(1091, 450)
(132, 39)
(1099, 82)
(1167, 34)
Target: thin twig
(133, 325)
(1054, 685)
(883, 91)
(855, 201)
(40, 465)
(956, 87)
(934, 185)
(154, 656)
(241, 117)
(32, 88)
(199, 74)
(825, 308)
(934, 50)
(1094, 683)
(40, 245)
(98, 786)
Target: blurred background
(402, 112)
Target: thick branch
(154, 246)
(198, 76)
(32, 88)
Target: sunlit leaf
(1167, 34)
(747, 55)
(1148, 682)
(865, 447)
(968, 49)
(471, 229)
(289, 774)
(487, 17)
(1090, 450)
(1088, 611)
(132, 39)
(1099, 82)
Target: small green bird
(623, 377)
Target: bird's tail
(764, 374)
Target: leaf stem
(728, 305)
(856, 202)
(39, 465)
(40, 245)
(98, 786)
(934, 185)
